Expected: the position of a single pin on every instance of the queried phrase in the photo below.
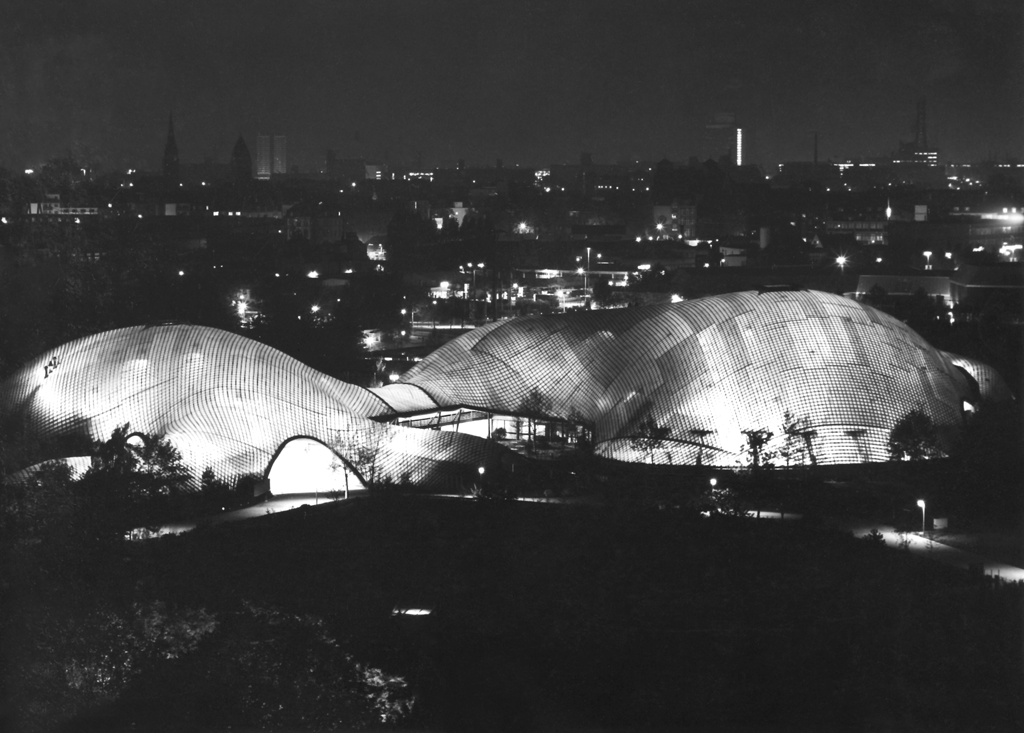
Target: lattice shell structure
(225, 402)
(706, 374)
(684, 383)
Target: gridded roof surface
(404, 398)
(992, 387)
(223, 400)
(709, 372)
(684, 383)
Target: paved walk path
(915, 542)
(273, 505)
(924, 546)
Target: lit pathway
(915, 542)
(927, 547)
(273, 505)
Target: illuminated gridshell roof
(707, 371)
(991, 386)
(225, 402)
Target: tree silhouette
(534, 405)
(134, 481)
(362, 448)
(798, 440)
(648, 437)
(914, 438)
(756, 452)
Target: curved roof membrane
(690, 382)
(824, 379)
(224, 401)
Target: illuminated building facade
(271, 156)
(823, 377)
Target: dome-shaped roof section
(144, 373)
(225, 402)
(709, 371)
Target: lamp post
(920, 503)
(585, 274)
(478, 266)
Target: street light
(927, 260)
(920, 503)
(585, 291)
(841, 261)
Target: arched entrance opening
(306, 466)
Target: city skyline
(530, 83)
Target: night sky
(528, 82)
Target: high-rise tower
(271, 155)
(921, 128)
(723, 139)
(280, 152)
(171, 169)
(263, 157)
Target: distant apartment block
(865, 232)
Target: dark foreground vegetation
(545, 616)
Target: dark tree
(534, 406)
(756, 441)
(648, 437)
(798, 443)
(135, 481)
(914, 438)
